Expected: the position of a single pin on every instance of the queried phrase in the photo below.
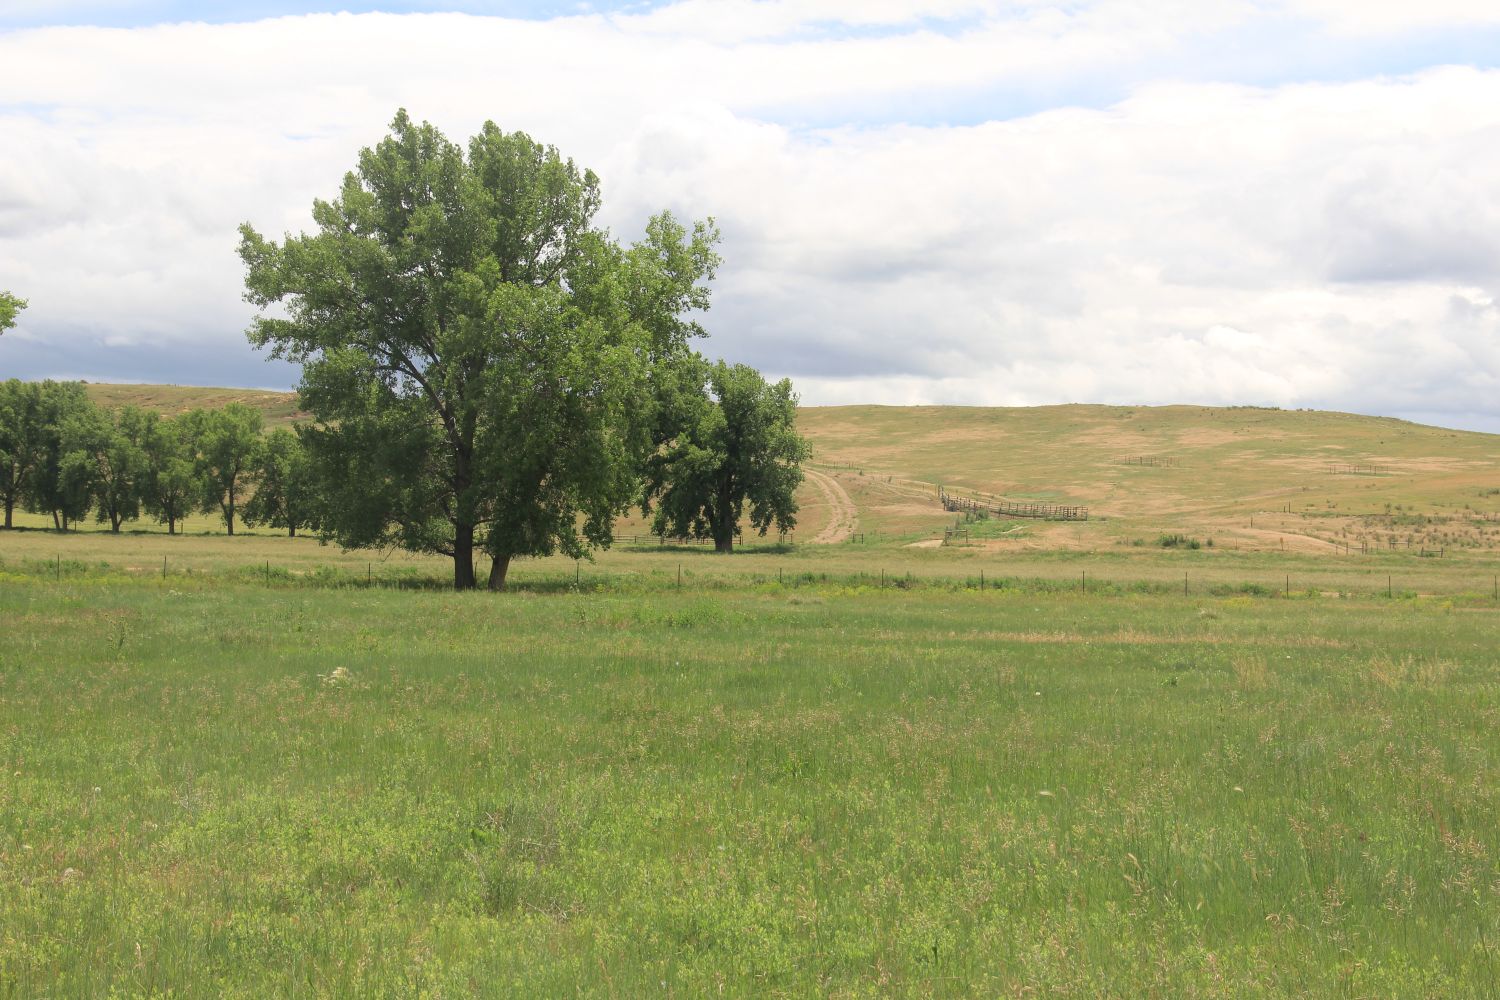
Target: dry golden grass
(1250, 479)
(278, 408)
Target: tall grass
(757, 790)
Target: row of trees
(490, 373)
(62, 455)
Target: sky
(1001, 202)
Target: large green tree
(479, 357)
(737, 445)
(226, 445)
(285, 490)
(10, 307)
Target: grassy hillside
(1246, 477)
(278, 408)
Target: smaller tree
(170, 486)
(103, 458)
(51, 488)
(285, 494)
(226, 445)
(10, 307)
(737, 442)
(22, 444)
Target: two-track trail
(843, 516)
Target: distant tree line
(64, 456)
(489, 374)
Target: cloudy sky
(1272, 202)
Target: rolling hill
(1245, 477)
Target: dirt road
(843, 516)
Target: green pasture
(302, 785)
(205, 556)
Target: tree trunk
(499, 566)
(291, 531)
(114, 522)
(229, 516)
(171, 524)
(56, 525)
(10, 505)
(721, 522)
(463, 557)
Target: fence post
(981, 581)
(1184, 585)
(163, 567)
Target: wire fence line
(682, 577)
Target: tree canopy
(225, 444)
(478, 356)
(285, 492)
(10, 307)
(737, 444)
(22, 442)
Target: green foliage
(105, 458)
(10, 307)
(476, 353)
(55, 486)
(22, 442)
(737, 443)
(226, 446)
(286, 493)
(171, 487)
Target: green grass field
(220, 788)
(1055, 760)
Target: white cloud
(1297, 244)
(1372, 17)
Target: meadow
(1051, 760)
(222, 788)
